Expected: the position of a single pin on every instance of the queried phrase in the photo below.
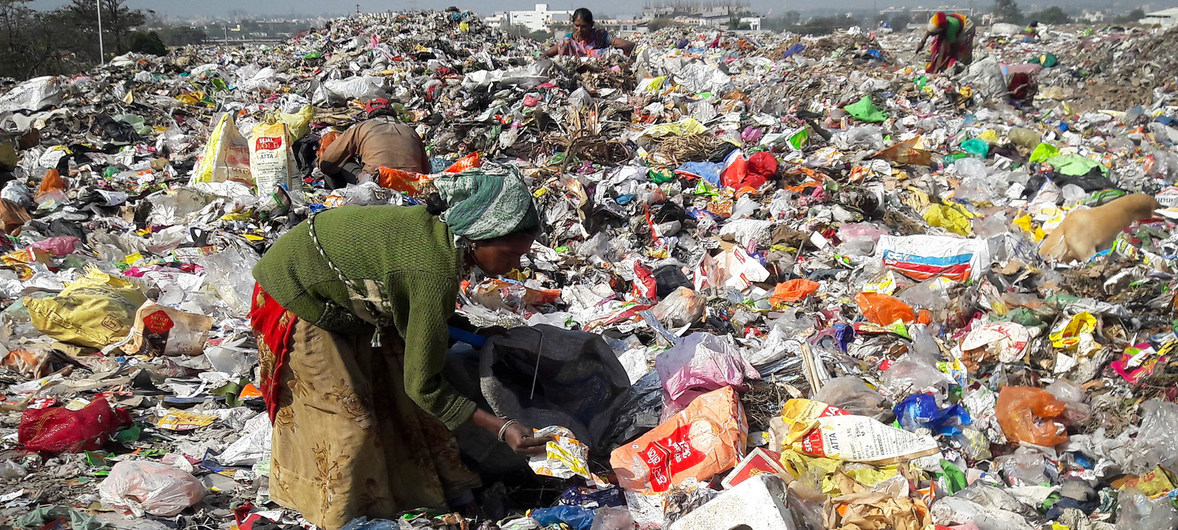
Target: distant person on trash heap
(1031, 33)
(378, 141)
(350, 314)
(952, 42)
(586, 40)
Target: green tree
(1132, 16)
(1051, 15)
(148, 43)
(660, 23)
(118, 21)
(901, 20)
(1007, 11)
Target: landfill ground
(827, 263)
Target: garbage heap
(783, 282)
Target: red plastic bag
(1028, 415)
(763, 164)
(645, 285)
(60, 430)
(793, 291)
(884, 310)
(470, 161)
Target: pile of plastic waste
(811, 278)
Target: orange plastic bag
(51, 183)
(470, 161)
(884, 310)
(905, 153)
(706, 438)
(326, 142)
(1028, 415)
(793, 291)
(402, 181)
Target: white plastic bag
(35, 94)
(137, 487)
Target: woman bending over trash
(586, 40)
(952, 41)
(350, 313)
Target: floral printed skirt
(348, 441)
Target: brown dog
(1086, 231)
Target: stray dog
(1084, 232)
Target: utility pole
(357, 9)
(101, 48)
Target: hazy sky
(216, 8)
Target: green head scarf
(485, 204)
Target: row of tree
(65, 40)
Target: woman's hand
(519, 438)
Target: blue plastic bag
(576, 517)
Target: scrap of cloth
(485, 205)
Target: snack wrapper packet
(564, 456)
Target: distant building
(1165, 17)
(621, 27)
(538, 19)
(1091, 16)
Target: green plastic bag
(977, 147)
(1076, 165)
(866, 111)
(1043, 152)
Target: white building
(1165, 17)
(537, 19)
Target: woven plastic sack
(706, 438)
(579, 382)
(226, 155)
(272, 160)
(96, 310)
(137, 487)
(60, 430)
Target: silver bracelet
(503, 429)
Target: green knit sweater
(404, 260)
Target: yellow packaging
(95, 310)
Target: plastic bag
(1157, 439)
(95, 310)
(271, 158)
(851, 394)
(884, 310)
(1136, 511)
(865, 110)
(60, 430)
(700, 363)
(575, 517)
(1028, 415)
(161, 330)
(50, 183)
(226, 155)
(298, 124)
(905, 153)
(33, 95)
(401, 180)
(794, 290)
(470, 161)
(706, 438)
(680, 308)
(612, 518)
(137, 487)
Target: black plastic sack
(578, 382)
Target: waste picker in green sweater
(350, 317)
